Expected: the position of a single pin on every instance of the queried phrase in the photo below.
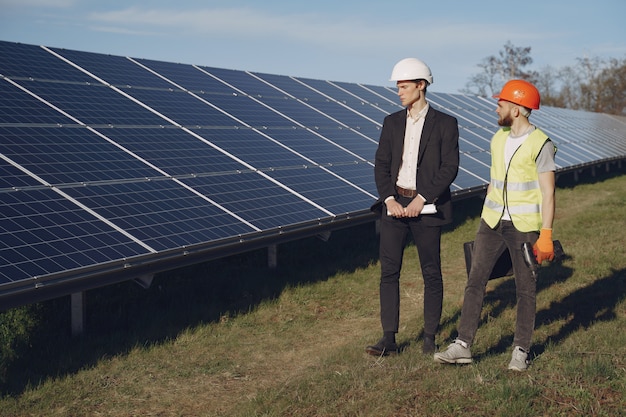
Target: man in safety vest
(518, 208)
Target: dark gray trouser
(393, 234)
(489, 244)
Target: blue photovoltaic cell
(257, 199)
(364, 146)
(286, 103)
(473, 173)
(299, 112)
(324, 189)
(18, 106)
(61, 155)
(93, 104)
(389, 92)
(190, 78)
(314, 145)
(358, 173)
(184, 109)
(384, 104)
(160, 213)
(454, 101)
(174, 150)
(335, 112)
(115, 70)
(248, 83)
(30, 61)
(572, 154)
(473, 139)
(252, 147)
(13, 178)
(250, 112)
(359, 106)
(42, 233)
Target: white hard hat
(411, 69)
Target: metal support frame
(78, 304)
(272, 256)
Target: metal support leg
(78, 303)
(272, 256)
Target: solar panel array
(110, 163)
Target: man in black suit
(416, 161)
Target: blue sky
(339, 40)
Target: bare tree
(609, 88)
(592, 84)
(486, 82)
(569, 95)
(509, 64)
(513, 60)
(547, 82)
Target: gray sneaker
(519, 360)
(455, 353)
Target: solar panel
(72, 154)
(18, 107)
(113, 167)
(43, 232)
(160, 213)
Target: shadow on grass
(580, 309)
(122, 316)
(584, 307)
(503, 297)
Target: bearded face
(504, 109)
(505, 120)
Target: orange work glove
(544, 248)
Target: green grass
(234, 338)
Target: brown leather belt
(406, 193)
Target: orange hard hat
(520, 92)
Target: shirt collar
(419, 115)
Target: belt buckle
(406, 193)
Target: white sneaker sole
(462, 361)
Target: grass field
(235, 338)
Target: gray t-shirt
(545, 160)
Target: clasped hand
(396, 209)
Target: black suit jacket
(437, 161)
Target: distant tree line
(592, 84)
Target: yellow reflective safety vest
(516, 187)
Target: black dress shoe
(429, 345)
(382, 348)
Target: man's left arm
(544, 247)
(547, 187)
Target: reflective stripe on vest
(518, 183)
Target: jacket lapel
(400, 125)
(429, 123)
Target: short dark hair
(426, 84)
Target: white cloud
(233, 22)
(123, 31)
